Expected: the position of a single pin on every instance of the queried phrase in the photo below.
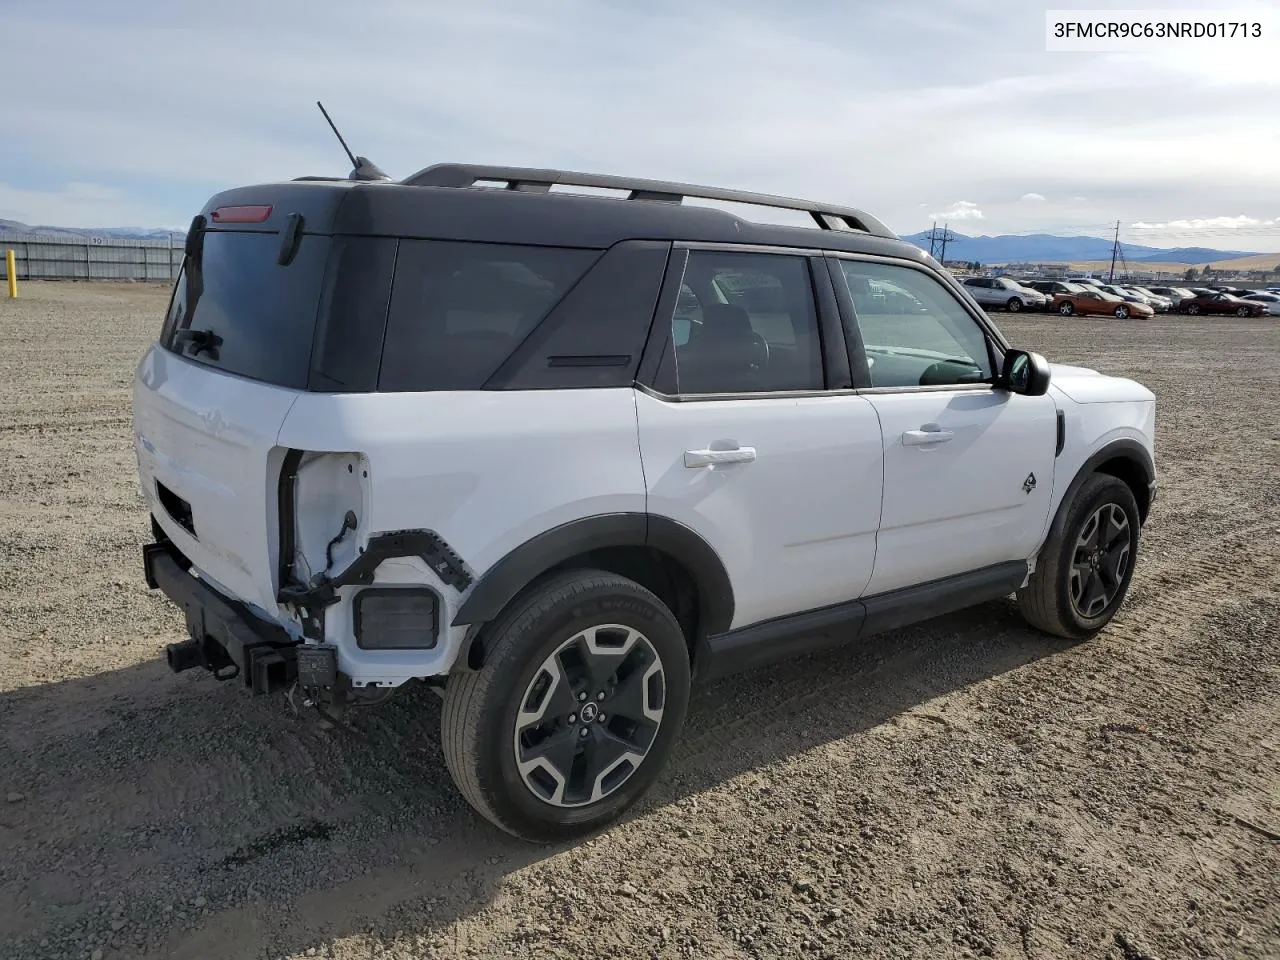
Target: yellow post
(11, 270)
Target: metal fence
(59, 258)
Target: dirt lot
(966, 787)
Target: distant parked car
(1272, 300)
(1085, 281)
(1128, 295)
(1098, 303)
(1174, 294)
(1224, 304)
(1162, 303)
(1051, 287)
(1004, 292)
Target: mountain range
(9, 228)
(1006, 248)
(1048, 248)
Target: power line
(939, 242)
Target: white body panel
(959, 504)
(211, 439)
(796, 526)
(1091, 426)
(833, 505)
(486, 471)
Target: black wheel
(1084, 572)
(1194, 309)
(1014, 305)
(1122, 312)
(1242, 311)
(583, 690)
(1066, 308)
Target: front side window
(914, 331)
(744, 323)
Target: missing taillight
(241, 214)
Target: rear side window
(235, 308)
(458, 310)
(743, 323)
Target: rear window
(458, 310)
(244, 313)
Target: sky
(132, 114)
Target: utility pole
(933, 236)
(946, 235)
(1115, 249)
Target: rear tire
(573, 714)
(1084, 572)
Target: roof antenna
(362, 168)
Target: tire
(1242, 311)
(1048, 601)
(538, 654)
(1194, 310)
(1122, 313)
(1014, 305)
(1066, 308)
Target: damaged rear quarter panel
(486, 470)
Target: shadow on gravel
(175, 816)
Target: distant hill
(1006, 248)
(9, 228)
(1048, 248)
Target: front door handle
(706, 458)
(925, 436)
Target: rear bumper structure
(225, 637)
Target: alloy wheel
(589, 715)
(1100, 560)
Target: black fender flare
(1122, 449)
(505, 579)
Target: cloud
(77, 204)
(581, 84)
(1209, 223)
(960, 210)
(1032, 197)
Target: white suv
(560, 455)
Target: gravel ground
(966, 787)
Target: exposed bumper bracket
(426, 544)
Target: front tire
(1014, 305)
(1085, 570)
(583, 690)
(1122, 313)
(1066, 308)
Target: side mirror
(1026, 373)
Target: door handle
(924, 437)
(706, 458)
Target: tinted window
(914, 330)
(746, 322)
(261, 315)
(459, 309)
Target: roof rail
(532, 180)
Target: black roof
(449, 202)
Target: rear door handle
(706, 458)
(923, 437)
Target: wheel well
(1134, 477)
(653, 569)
